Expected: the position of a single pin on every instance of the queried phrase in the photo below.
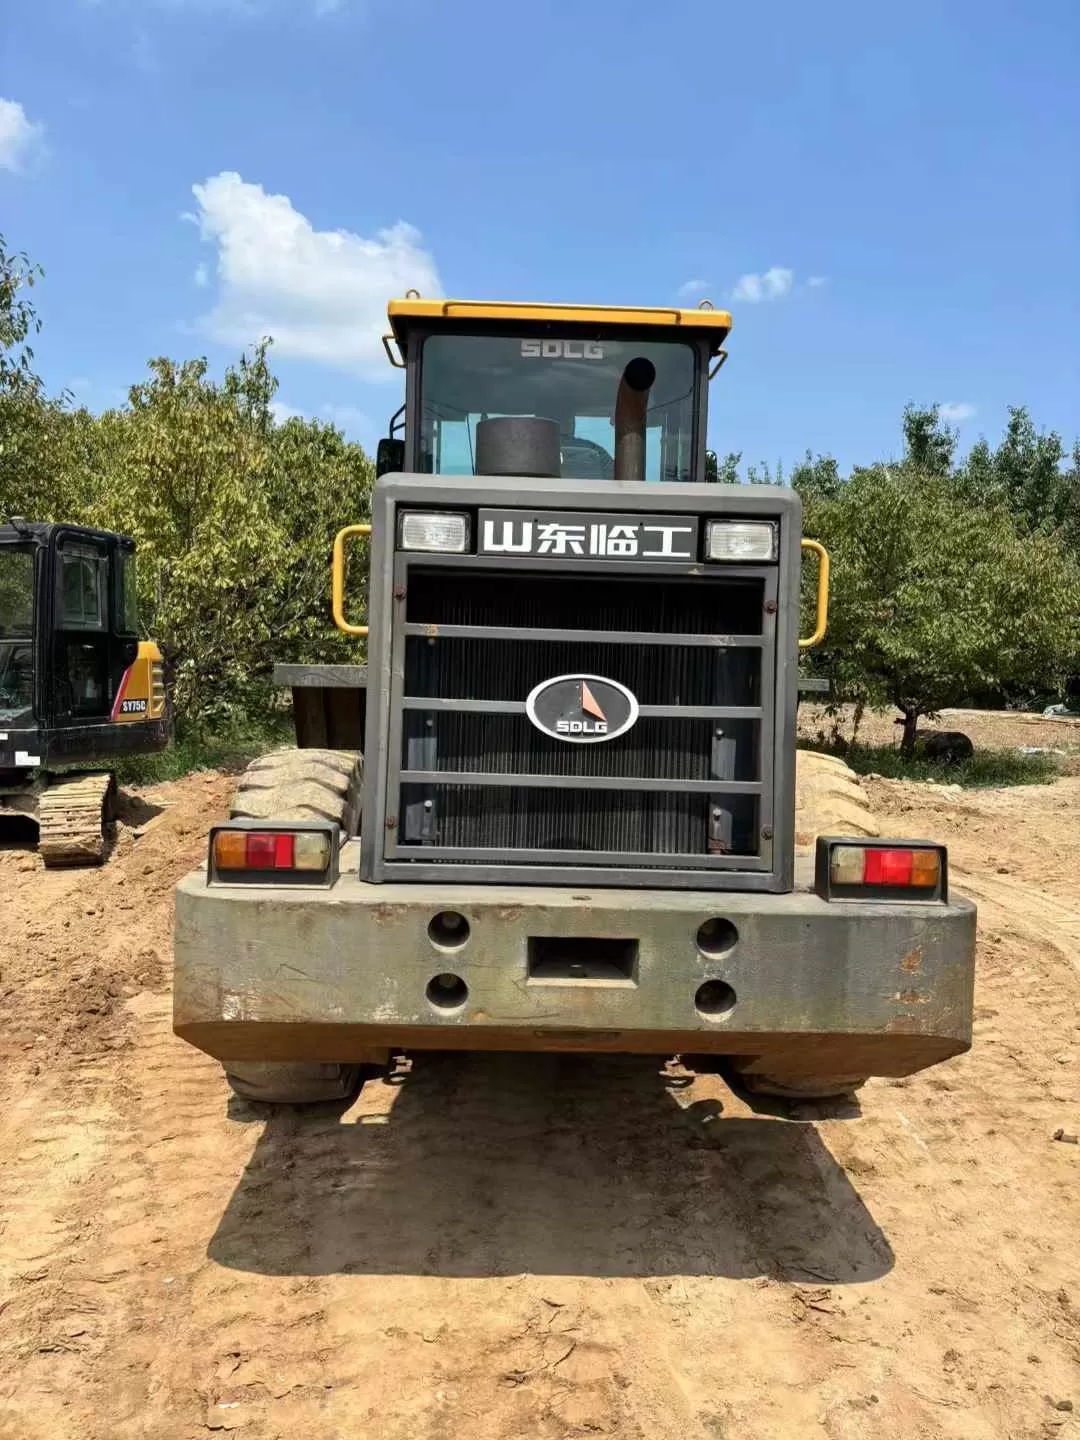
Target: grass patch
(985, 768)
(200, 750)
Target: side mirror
(389, 457)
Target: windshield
(469, 378)
(16, 636)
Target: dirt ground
(552, 1247)
(987, 729)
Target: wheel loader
(78, 688)
(556, 808)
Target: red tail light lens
(888, 867)
(267, 851)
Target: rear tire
(281, 1083)
(803, 1087)
(302, 785)
(829, 799)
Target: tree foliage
(937, 600)
(234, 514)
(18, 320)
(234, 517)
(950, 580)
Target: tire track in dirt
(1025, 909)
(544, 1246)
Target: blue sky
(887, 196)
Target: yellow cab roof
(405, 314)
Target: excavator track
(75, 819)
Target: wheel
(802, 1087)
(281, 1083)
(302, 785)
(828, 799)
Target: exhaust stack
(631, 407)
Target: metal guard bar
(822, 622)
(337, 591)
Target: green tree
(234, 517)
(1027, 469)
(764, 474)
(934, 599)
(722, 471)
(929, 444)
(18, 320)
(816, 477)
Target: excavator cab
(77, 685)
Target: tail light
(268, 852)
(881, 870)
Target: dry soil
(552, 1247)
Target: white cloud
(774, 284)
(321, 294)
(348, 418)
(955, 412)
(18, 135)
(815, 282)
(201, 276)
(690, 288)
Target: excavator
(78, 687)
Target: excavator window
(83, 589)
(127, 602)
(82, 638)
(16, 636)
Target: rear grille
(565, 822)
(508, 669)
(687, 782)
(686, 605)
(661, 748)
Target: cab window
(82, 586)
(468, 378)
(127, 602)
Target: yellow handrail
(822, 595)
(337, 590)
(338, 586)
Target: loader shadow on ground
(495, 1165)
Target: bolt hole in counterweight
(714, 1000)
(447, 991)
(448, 929)
(717, 937)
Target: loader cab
(68, 625)
(577, 392)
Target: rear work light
(734, 540)
(881, 870)
(266, 852)
(438, 532)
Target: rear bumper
(327, 975)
